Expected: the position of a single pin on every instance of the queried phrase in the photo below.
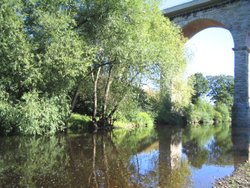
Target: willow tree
(133, 42)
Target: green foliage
(134, 42)
(196, 147)
(131, 114)
(173, 101)
(223, 110)
(205, 113)
(165, 114)
(138, 120)
(217, 117)
(200, 86)
(142, 119)
(34, 115)
(40, 51)
(32, 159)
(200, 113)
(47, 47)
(221, 89)
(42, 115)
(8, 115)
(78, 122)
(15, 57)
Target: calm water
(163, 157)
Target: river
(154, 157)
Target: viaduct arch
(233, 15)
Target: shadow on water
(161, 157)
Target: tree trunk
(76, 94)
(107, 88)
(95, 80)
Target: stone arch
(233, 16)
(196, 26)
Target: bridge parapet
(193, 6)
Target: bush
(170, 112)
(143, 119)
(34, 115)
(78, 122)
(42, 115)
(217, 117)
(138, 119)
(204, 113)
(224, 111)
(200, 113)
(8, 115)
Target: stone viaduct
(233, 15)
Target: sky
(171, 3)
(209, 51)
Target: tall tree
(200, 86)
(221, 89)
(134, 42)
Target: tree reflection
(108, 167)
(141, 158)
(92, 178)
(173, 172)
(32, 162)
(208, 144)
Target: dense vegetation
(212, 99)
(54, 54)
(115, 62)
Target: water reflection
(241, 144)
(33, 162)
(173, 170)
(162, 157)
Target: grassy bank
(78, 122)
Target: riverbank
(240, 178)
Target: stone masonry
(235, 17)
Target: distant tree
(221, 89)
(200, 86)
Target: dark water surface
(162, 157)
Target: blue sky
(209, 51)
(170, 3)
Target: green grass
(78, 122)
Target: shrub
(171, 112)
(200, 113)
(217, 117)
(78, 122)
(223, 110)
(143, 119)
(138, 119)
(8, 115)
(34, 115)
(42, 115)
